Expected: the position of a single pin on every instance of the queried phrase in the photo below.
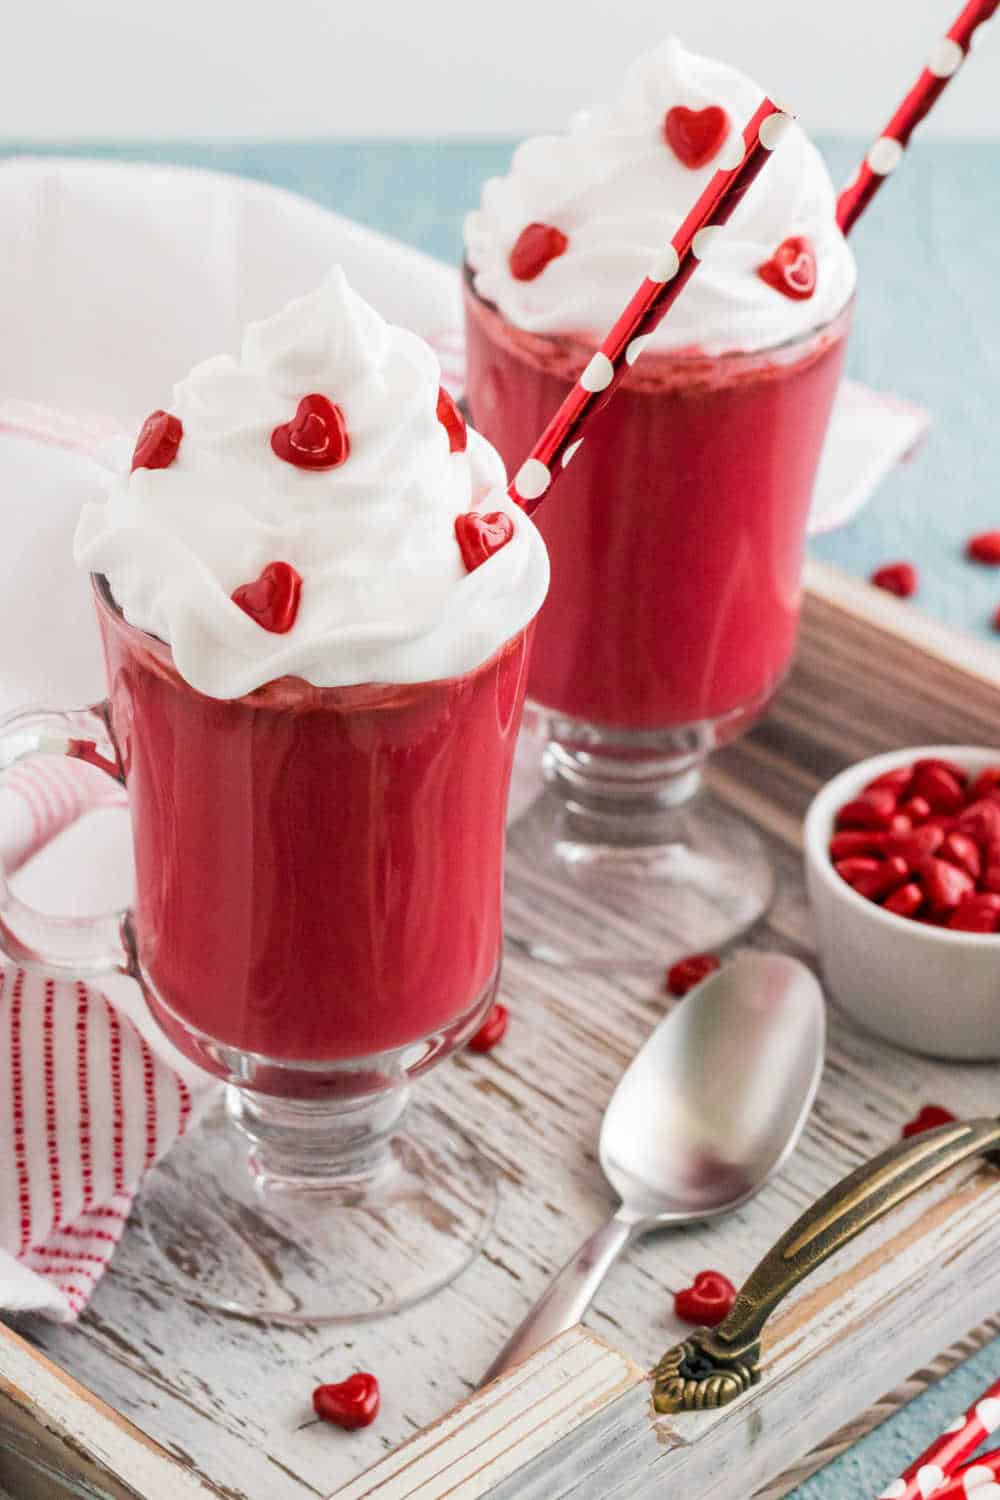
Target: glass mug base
(625, 860)
(296, 1206)
(234, 1237)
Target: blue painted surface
(928, 328)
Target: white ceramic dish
(924, 988)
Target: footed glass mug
(676, 539)
(317, 922)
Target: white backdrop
(181, 68)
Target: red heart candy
(535, 246)
(984, 548)
(707, 1300)
(695, 135)
(982, 820)
(491, 1030)
(896, 578)
(907, 901)
(273, 598)
(687, 972)
(977, 913)
(872, 809)
(158, 441)
(480, 536)
(928, 1118)
(945, 885)
(917, 846)
(897, 781)
(452, 421)
(857, 841)
(792, 268)
(962, 850)
(349, 1403)
(987, 781)
(940, 784)
(315, 438)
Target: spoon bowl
(705, 1114)
(717, 1097)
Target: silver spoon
(708, 1110)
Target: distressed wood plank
(232, 1401)
(51, 1426)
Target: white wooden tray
(230, 1403)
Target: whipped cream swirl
(615, 187)
(385, 594)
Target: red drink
(677, 533)
(319, 871)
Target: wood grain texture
(56, 1439)
(232, 1400)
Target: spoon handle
(567, 1296)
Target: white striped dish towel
(86, 1106)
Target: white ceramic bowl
(925, 988)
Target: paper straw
(929, 1473)
(666, 279)
(885, 154)
(979, 1477)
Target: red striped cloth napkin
(86, 1105)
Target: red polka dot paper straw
(979, 1478)
(935, 1472)
(663, 284)
(885, 154)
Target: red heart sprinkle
(927, 1118)
(872, 809)
(984, 548)
(987, 781)
(960, 775)
(707, 1300)
(535, 246)
(491, 1031)
(792, 268)
(945, 885)
(917, 846)
(857, 841)
(158, 441)
(875, 884)
(896, 578)
(350, 1403)
(916, 809)
(982, 820)
(977, 913)
(273, 598)
(452, 421)
(906, 901)
(687, 972)
(695, 135)
(897, 781)
(479, 536)
(315, 438)
(962, 850)
(940, 787)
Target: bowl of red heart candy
(902, 860)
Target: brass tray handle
(715, 1365)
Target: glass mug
(676, 538)
(317, 922)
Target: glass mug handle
(70, 945)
